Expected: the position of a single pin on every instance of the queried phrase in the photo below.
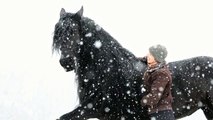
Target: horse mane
(127, 61)
(108, 61)
(119, 53)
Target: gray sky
(31, 80)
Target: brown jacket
(157, 83)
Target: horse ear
(79, 14)
(62, 12)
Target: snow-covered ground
(33, 86)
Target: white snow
(107, 109)
(210, 65)
(211, 82)
(81, 43)
(128, 92)
(197, 68)
(98, 44)
(88, 34)
(33, 85)
(98, 28)
(89, 105)
(143, 90)
(153, 118)
(160, 89)
(200, 104)
(145, 101)
(122, 118)
(86, 80)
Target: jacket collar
(156, 67)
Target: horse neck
(89, 57)
(85, 63)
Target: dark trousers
(162, 115)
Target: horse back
(192, 81)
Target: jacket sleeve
(143, 59)
(160, 81)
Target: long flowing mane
(111, 69)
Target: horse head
(66, 36)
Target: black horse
(109, 76)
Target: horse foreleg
(90, 108)
(80, 113)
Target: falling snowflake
(159, 94)
(128, 110)
(211, 81)
(192, 74)
(145, 101)
(110, 60)
(128, 92)
(210, 64)
(86, 80)
(200, 104)
(160, 89)
(188, 107)
(81, 43)
(179, 93)
(98, 28)
(82, 112)
(92, 56)
(68, 66)
(98, 44)
(67, 56)
(143, 90)
(89, 105)
(107, 109)
(153, 118)
(88, 34)
(108, 70)
(203, 75)
(122, 118)
(197, 68)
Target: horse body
(192, 86)
(109, 76)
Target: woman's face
(150, 59)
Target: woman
(157, 83)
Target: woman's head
(157, 53)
